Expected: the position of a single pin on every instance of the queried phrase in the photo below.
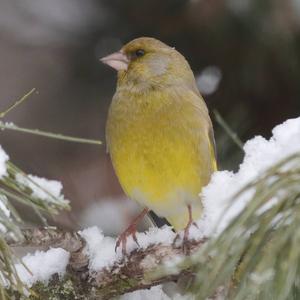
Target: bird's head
(146, 62)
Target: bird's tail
(156, 220)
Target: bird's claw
(185, 241)
(122, 239)
(195, 224)
(175, 239)
(135, 238)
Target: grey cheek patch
(158, 66)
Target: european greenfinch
(159, 133)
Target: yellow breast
(161, 151)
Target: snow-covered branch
(143, 268)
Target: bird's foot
(186, 243)
(130, 231)
(122, 239)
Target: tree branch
(139, 270)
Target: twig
(46, 237)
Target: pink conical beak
(117, 60)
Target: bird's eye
(139, 53)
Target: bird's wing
(213, 144)
(198, 102)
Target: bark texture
(140, 269)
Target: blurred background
(245, 55)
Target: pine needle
(257, 256)
(228, 130)
(58, 136)
(18, 102)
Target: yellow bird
(159, 133)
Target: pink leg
(189, 224)
(185, 242)
(130, 230)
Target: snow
(261, 278)
(4, 213)
(41, 188)
(101, 249)
(3, 207)
(154, 235)
(156, 293)
(260, 154)
(42, 265)
(3, 159)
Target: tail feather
(156, 220)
